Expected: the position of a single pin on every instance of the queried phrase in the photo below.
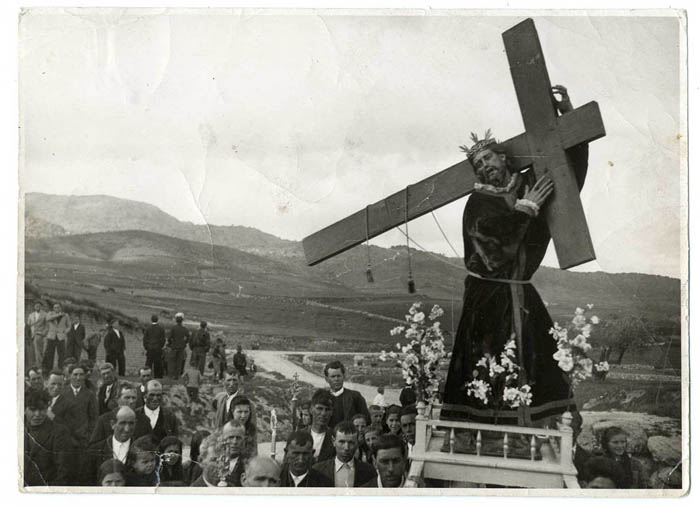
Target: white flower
(589, 306)
(579, 321)
(587, 365)
(595, 320)
(602, 367)
(383, 356)
(418, 317)
(436, 312)
(479, 389)
(580, 342)
(586, 330)
(566, 364)
(561, 354)
(397, 330)
(579, 311)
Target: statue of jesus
(502, 370)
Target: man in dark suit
(391, 461)
(346, 403)
(47, 445)
(154, 419)
(117, 444)
(177, 340)
(108, 392)
(321, 434)
(298, 457)
(145, 375)
(103, 427)
(76, 409)
(115, 345)
(345, 470)
(74, 338)
(153, 343)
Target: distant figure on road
(200, 344)
(178, 338)
(379, 399)
(153, 343)
(346, 403)
(240, 362)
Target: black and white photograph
(442, 251)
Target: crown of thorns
(478, 145)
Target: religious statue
(502, 370)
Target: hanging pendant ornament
(411, 282)
(370, 276)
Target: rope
(411, 282)
(370, 276)
(444, 235)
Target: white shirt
(120, 450)
(318, 441)
(108, 390)
(298, 479)
(152, 415)
(232, 464)
(76, 391)
(344, 473)
(339, 392)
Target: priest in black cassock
(505, 238)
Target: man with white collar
(222, 400)
(407, 418)
(54, 387)
(298, 457)
(117, 444)
(391, 461)
(321, 434)
(75, 337)
(115, 346)
(153, 418)
(347, 403)
(210, 451)
(345, 470)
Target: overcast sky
(289, 123)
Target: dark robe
(504, 243)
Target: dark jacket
(47, 454)
(79, 414)
(347, 405)
(105, 405)
(327, 449)
(233, 479)
(103, 427)
(178, 338)
(580, 458)
(75, 336)
(114, 344)
(166, 425)
(200, 341)
(153, 337)
(363, 472)
(312, 479)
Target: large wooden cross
(543, 147)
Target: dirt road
(277, 361)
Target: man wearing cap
(177, 340)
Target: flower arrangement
(495, 380)
(419, 358)
(573, 347)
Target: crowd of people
(86, 426)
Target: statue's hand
(541, 190)
(563, 102)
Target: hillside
(165, 258)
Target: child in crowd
(393, 419)
(360, 423)
(171, 472)
(304, 416)
(372, 433)
(142, 463)
(376, 415)
(614, 444)
(112, 473)
(379, 398)
(242, 411)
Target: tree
(622, 333)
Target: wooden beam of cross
(543, 147)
